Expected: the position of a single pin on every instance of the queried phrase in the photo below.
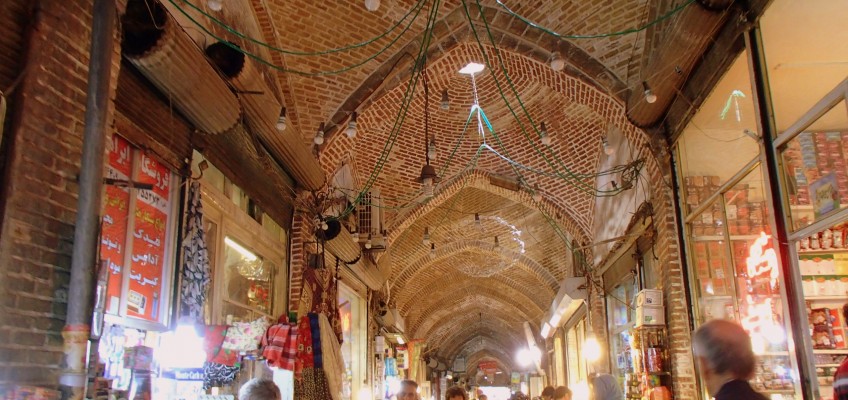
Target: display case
(651, 368)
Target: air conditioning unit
(571, 295)
(370, 219)
(391, 320)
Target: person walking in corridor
(259, 389)
(723, 352)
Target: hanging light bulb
(537, 194)
(428, 177)
(431, 149)
(557, 63)
(368, 242)
(319, 136)
(351, 126)
(445, 100)
(592, 349)
(426, 238)
(497, 244)
(608, 150)
(324, 226)
(432, 250)
(372, 5)
(477, 221)
(215, 5)
(543, 131)
(650, 97)
(281, 122)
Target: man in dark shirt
(840, 379)
(723, 351)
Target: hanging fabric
(332, 357)
(195, 268)
(320, 295)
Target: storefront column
(792, 280)
(81, 291)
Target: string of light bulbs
(271, 65)
(597, 35)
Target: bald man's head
(725, 348)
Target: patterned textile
(195, 280)
(218, 375)
(245, 336)
(317, 353)
(305, 359)
(320, 295)
(280, 346)
(213, 339)
(312, 386)
(334, 367)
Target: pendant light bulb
(432, 250)
(319, 136)
(445, 100)
(351, 126)
(372, 5)
(427, 186)
(557, 63)
(608, 150)
(215, 5)
(650, 97)
(477, 221)
(426, 238)
(281, 122)
(324, 226)
(368, 242)
(543, 132)
(431, 149)
(497, 244)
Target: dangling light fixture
(281, 122)
(543, 132)
(537, 194)
(608, 150)
(368, 243)
(319, 136)
(428, 177)
(431, 149)
(557, 63)
(650, 97)
(445, 100)
(324, 225)
(497, 244)
(372, 5)
(432, 250)
(351, 126)
(215, 5)
(477, 221)
(426, 238)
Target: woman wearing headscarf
(605, 387)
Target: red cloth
(840, 381)
(305, 357)
(280, 346)
(213, 340)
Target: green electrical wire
(235, 32)
(600, 35)
(295, 71)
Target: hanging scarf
(195, 269)
(332, 357)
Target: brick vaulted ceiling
(471, 298)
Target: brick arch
(510, 35)
(450, 340)
(420, 318)
(446, 251)
(480, 179)
(481, 303)
(491, 347)
(469, 336)
(443, 278)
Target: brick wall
(43, 157)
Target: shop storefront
(732, 203)
(149, 341)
